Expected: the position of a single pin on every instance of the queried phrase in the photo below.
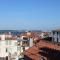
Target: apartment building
(8, 47)
(56, 35)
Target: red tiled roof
(33, 51)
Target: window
(8, 42)
(6, 50)
(25, 43)
(15, 43)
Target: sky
(29, 14)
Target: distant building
(56, 35)
(44, 34)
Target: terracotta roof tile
(34, 51)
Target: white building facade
(56, 36)
(13, 48)
(8, 48)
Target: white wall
(31, 42)
(10, 48)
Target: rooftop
(34, 54)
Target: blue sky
(29, 14)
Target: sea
(14, 32)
